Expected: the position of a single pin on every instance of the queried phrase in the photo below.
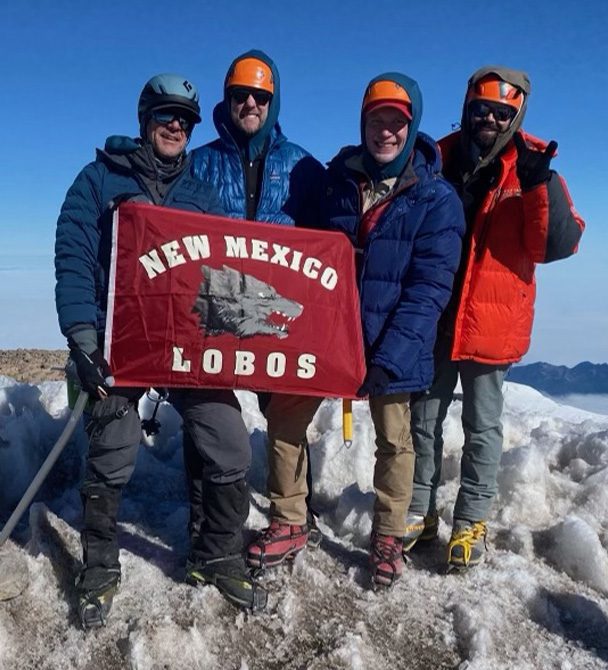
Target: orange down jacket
(512, 231)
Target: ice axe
(347, 422)
(45, 468)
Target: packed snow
(539, 601)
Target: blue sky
(74, 72)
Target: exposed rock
(33, 365)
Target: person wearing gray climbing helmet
(153, 168)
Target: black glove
(93, 372)
(532, 166)
(376, 382)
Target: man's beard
(484, 141)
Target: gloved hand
(93, 372)
(375, 383)
(532, 166)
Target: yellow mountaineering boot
(467, 545)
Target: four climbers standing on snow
(406, 223)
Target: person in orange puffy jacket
(519, 213)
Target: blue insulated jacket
(83, 238)
(408, 262)
(292, 180)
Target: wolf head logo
(229, 301)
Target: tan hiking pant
(394, 470)
(288, 418)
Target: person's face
(385, 133)
(168, 132)
(249, 109)
(486, 121)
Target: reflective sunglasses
(239, 95)
(501, 113)
(165, 116)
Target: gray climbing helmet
(168, 91)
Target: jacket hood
(396, 166)
(118, 149)
(255, 144)
(131, 154)
(513, 77)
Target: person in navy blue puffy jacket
(406, 224)
(154, 169)
(262, 176)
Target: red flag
(204, 301)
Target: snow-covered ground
(539, 601)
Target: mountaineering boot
(232, 579)
(467, 545)
(100, 575)
(276, 543)
(419, 528)
(386, 559)
(315, 536)
(96, 588)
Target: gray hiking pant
(212, 418)
(482, 404)
(213, 427)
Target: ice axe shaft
(347, 421)
(45, 468)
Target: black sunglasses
(239, 95)
(165, 116)
(501, 113)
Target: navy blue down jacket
(408, 262)
(84, 230)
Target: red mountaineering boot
(275, 544)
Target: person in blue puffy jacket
(406, 224)
(154, 168)
(262, 176)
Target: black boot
(232, 579)
(99, 578)
(216, 553)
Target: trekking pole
(45, 468)
(347, 422)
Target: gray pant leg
(217, 455)
(428, 414)
(482, 404)
(113, 446)
(212, 419)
